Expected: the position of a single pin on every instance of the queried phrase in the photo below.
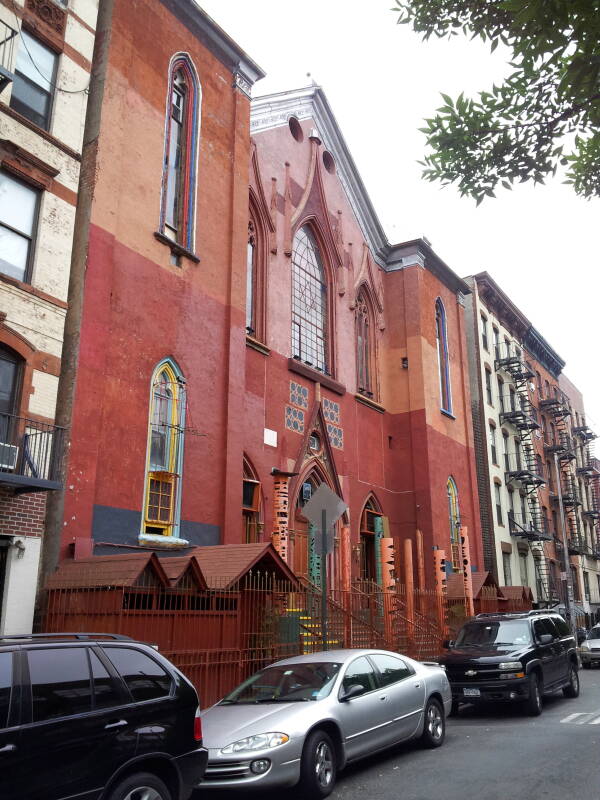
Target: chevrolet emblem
(470, 673)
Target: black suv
(512, 657)
(95, 717)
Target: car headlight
(584, 646)
(510, 665)
(262, 741)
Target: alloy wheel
(435, 723)
(324, 764)
(143, 793)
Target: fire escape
(524, 467)
(557, 408)
(589, 470)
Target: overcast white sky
(541, 244)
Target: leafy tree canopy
(546, 113)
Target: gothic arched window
(165, 452)
(441, 339)
(309, 303)
(364, 347)
(454, 520)
(182, 128)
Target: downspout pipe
(70, 347)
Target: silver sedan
(303, 719)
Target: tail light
(197, 725)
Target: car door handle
(417, 685)
(383, 697)
(121, 723)
(8, 748)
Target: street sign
(324, 504)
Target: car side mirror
(546, 638)
(352, 691)
(448, 644)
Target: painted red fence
(218, 636)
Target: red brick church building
(249, 332)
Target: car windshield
(287, 683)
(494, 634)
(594, 633)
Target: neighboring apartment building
(45, 58)
(525, 411)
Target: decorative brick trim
(49, 13)
(10, 112)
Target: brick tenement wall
(22, 514)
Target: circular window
(296, 129)
(314, 443)
(328, 162)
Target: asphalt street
(489, 754)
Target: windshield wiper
(283, 700)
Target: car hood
(479, 655)
(222, 725)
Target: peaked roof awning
(224, 565)
(455, 587)
(126, 570)
(176, 567)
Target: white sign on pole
(324, 500)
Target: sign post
(324, 508)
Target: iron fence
(220, 636)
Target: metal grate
(309, 303)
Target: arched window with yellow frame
(164, 460)
(454, 520)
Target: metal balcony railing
(30, 454)
(7, 47)
(530, 526)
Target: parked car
(512, 658)
(301, 720)
(589, 650)
(95, 716)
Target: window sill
(256, 345)
(168, 542)
(175, 248)
(448, 414)
(10, 112)
(366, 401)
(27, 287)
(314, 375)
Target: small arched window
(371, 531)
(309, 303)
(162, 502)
(454, 520)
(364, 346)
(178, 205)
(251, 502)
(10, 384)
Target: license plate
(471, 693)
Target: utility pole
(568, 583)
(70, 348)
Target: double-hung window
(18, 215)
(35, 74)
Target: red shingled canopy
(225, 564)
(127, 569)
(176, 567)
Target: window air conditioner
(8, 456)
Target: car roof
(62, 638)
(335, 656)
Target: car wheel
(141, 786)
(572, 688)
(534, 701)
(434, 728)
(318, 768)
